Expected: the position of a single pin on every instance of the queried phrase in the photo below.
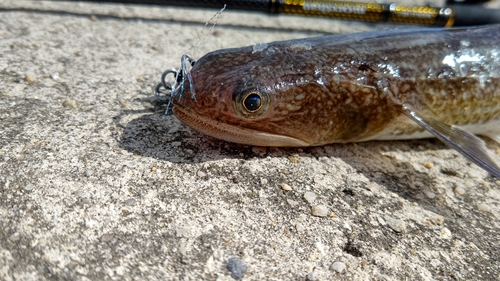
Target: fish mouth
(233, 133)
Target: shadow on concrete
(163, 137)
(104, 16)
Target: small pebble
(29, 187)
(237, 268)
(373, 187)
(428, 165)
(319, 211)
(176, 143)
(469, 184)
(449, 171)
(15, 237)
(69, 103)
(294, 158)
(395, 224)
(320, 247)
(312, 276)
(200, 173)
(445, 233)
(310, 196)
(483, 207)
(460, 190)
(437, 220)
(299, 227)
(54, 76)
(292, 203)
(430, 194)
(141, 79)
(286, 187)
(474, 174)
(153, 169)
(29, 78)
(263, 182)
(174, 129)
(107, 237)
(338, 266)
(381, 220)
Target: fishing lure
(384, 85)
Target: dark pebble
(237, 267)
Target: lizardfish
(384, 85)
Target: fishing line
(215, 19)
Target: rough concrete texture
(97, 184)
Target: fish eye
(250, 103)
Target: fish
(384, 85)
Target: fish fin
(464, 142)
(494, 137)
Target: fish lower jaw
(236, 134)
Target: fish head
(254, 98)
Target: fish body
(396, 84)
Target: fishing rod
(452, 15)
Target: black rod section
(453, 15)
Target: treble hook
(166, 91)
(186, 71)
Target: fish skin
(348, 88)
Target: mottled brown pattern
(350, 87)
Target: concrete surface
(97, 184)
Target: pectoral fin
(494, 137)
(466, 143)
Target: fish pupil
(252, 102)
